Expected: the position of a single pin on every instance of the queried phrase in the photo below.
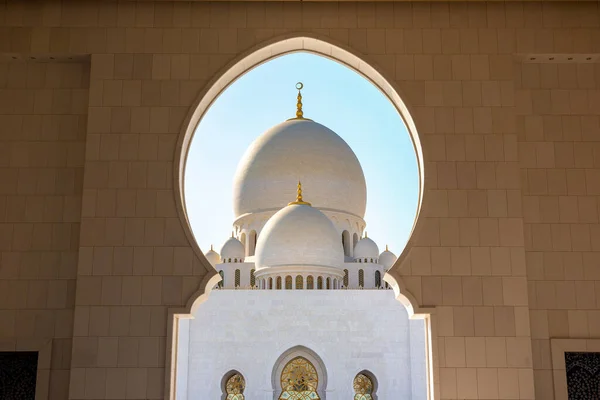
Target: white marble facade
(349, 331)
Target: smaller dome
(299, 236)
(366, 248)
(387, 258)
(212, 256)
(233, 249)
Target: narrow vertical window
(320, 282)
(237, 277)
(310, 282)
(361, 278)
(252, 278)
(270, 283)
(222, 282)
(377, 279)
(345, 278)
(299, 282)
(288, 282)
(328, 283)
(279, 283)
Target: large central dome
(299, 149)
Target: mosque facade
(98, 264)
(303, 310)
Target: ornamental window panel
(328, 283)
(237, 277)
(234, 387)
(310, 282)
(299, 380)
(252, 278)
(377, 279)
(288, 282)
(583, 375)
(363, 387)
(320, 282)
(270, 283)
(299, 282)
(279, 283)
(345, 278)
(361, 278)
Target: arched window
(345, 278)
(252, 278)
(252, 243)
(363, 387)
(243, 240)
(354, 240)
(346, 243)
(234, 387)
(270, 283)
(320, 282)
(310, 282)
(299, 380)
(288, 282)
(279, 282)
(328, 283)
(237, 277)
(377, 279)
(299, 282)
(361, 278)
(222, 278)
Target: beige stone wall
(43, 109)
(558, 127)
(508, 242)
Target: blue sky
(333, 95)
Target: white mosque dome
(233, 249)
(387, 258)
(299, 236)
(299, 149)
(212, 257)
(366, 248)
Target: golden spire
(299, 197)
(386, 248)
(366, 236)
(211, 249)
(299, 113)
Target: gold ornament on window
(299, 380)
(235, 387)
(363, 387)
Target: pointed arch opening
(259, 55)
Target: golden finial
(211, 247)
(231, 233)
(366, 236)
(299, 197)
(299, 113)
(386, 248)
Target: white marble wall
(350, 330)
